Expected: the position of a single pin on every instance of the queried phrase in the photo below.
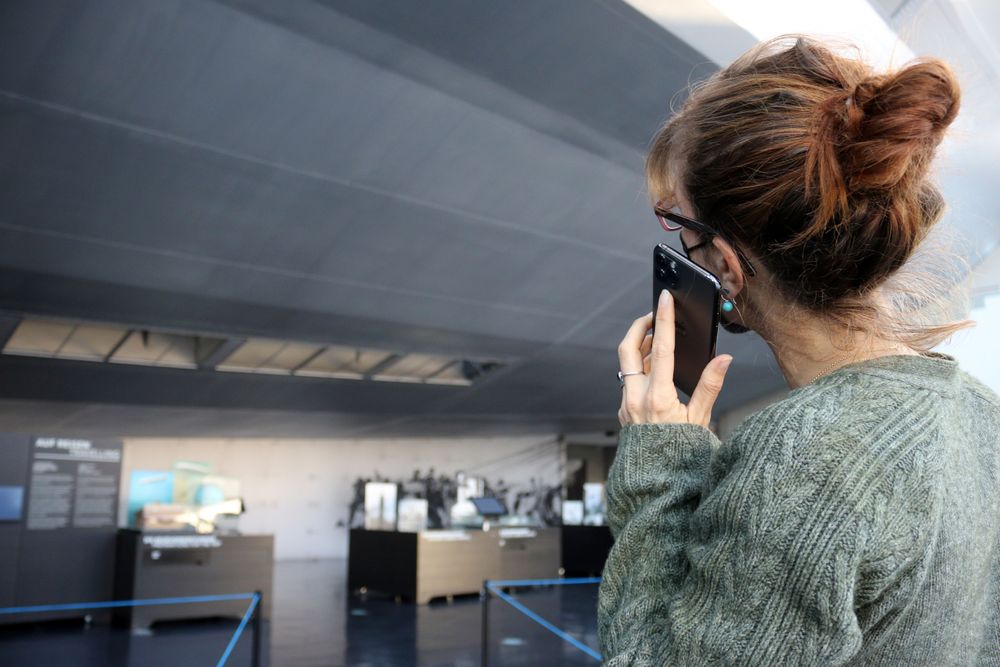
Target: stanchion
(255, 654)
(250, 613)
(485, 616)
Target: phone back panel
(697, 301)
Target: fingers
(630, 359)
(647, 345)
(652, 398)
(703, 400)
(661, 374)
(630, 349)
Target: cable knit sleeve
(737, 553)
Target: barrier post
(484, 631)
(255, 650)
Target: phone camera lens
(673, 267)
(661, 273)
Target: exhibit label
(74, 483)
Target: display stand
(154, 565)
(431, 564)
(585, 549)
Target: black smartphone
(697, 299)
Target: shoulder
(808, 418)
(844, 437)
(978, 391)
(854, 408)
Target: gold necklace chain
(825, 371)
(844, 362)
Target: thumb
(703, 399)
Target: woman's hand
(652, 398)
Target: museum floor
(314, 625)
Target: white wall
(300, 490)
(976, 348)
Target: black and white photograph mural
(528, 481)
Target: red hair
(818, 166)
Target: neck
(807, 348)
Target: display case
(179, 564)
(436, 563)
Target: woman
(857, 521)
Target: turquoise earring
(727, 305)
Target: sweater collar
(930, 369)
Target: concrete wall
(301, 490)
(594, 458)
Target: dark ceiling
(451, 177)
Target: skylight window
(85, 341)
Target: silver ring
(622, 376)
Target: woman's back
(945, 607)
(854, 522)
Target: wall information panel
(73, 484)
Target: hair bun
(881, 133)
(917, 103)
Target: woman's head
(814, 165)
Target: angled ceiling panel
(433, 180)
(91, 342)
(156, 349)
(39, 337)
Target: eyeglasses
(674, 222)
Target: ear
(727, 266)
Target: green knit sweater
(855, 522)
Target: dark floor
(314, 624)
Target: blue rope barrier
(124, 603)
(543, 582)
(75, 606)
(541, 621)
(239, 630)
